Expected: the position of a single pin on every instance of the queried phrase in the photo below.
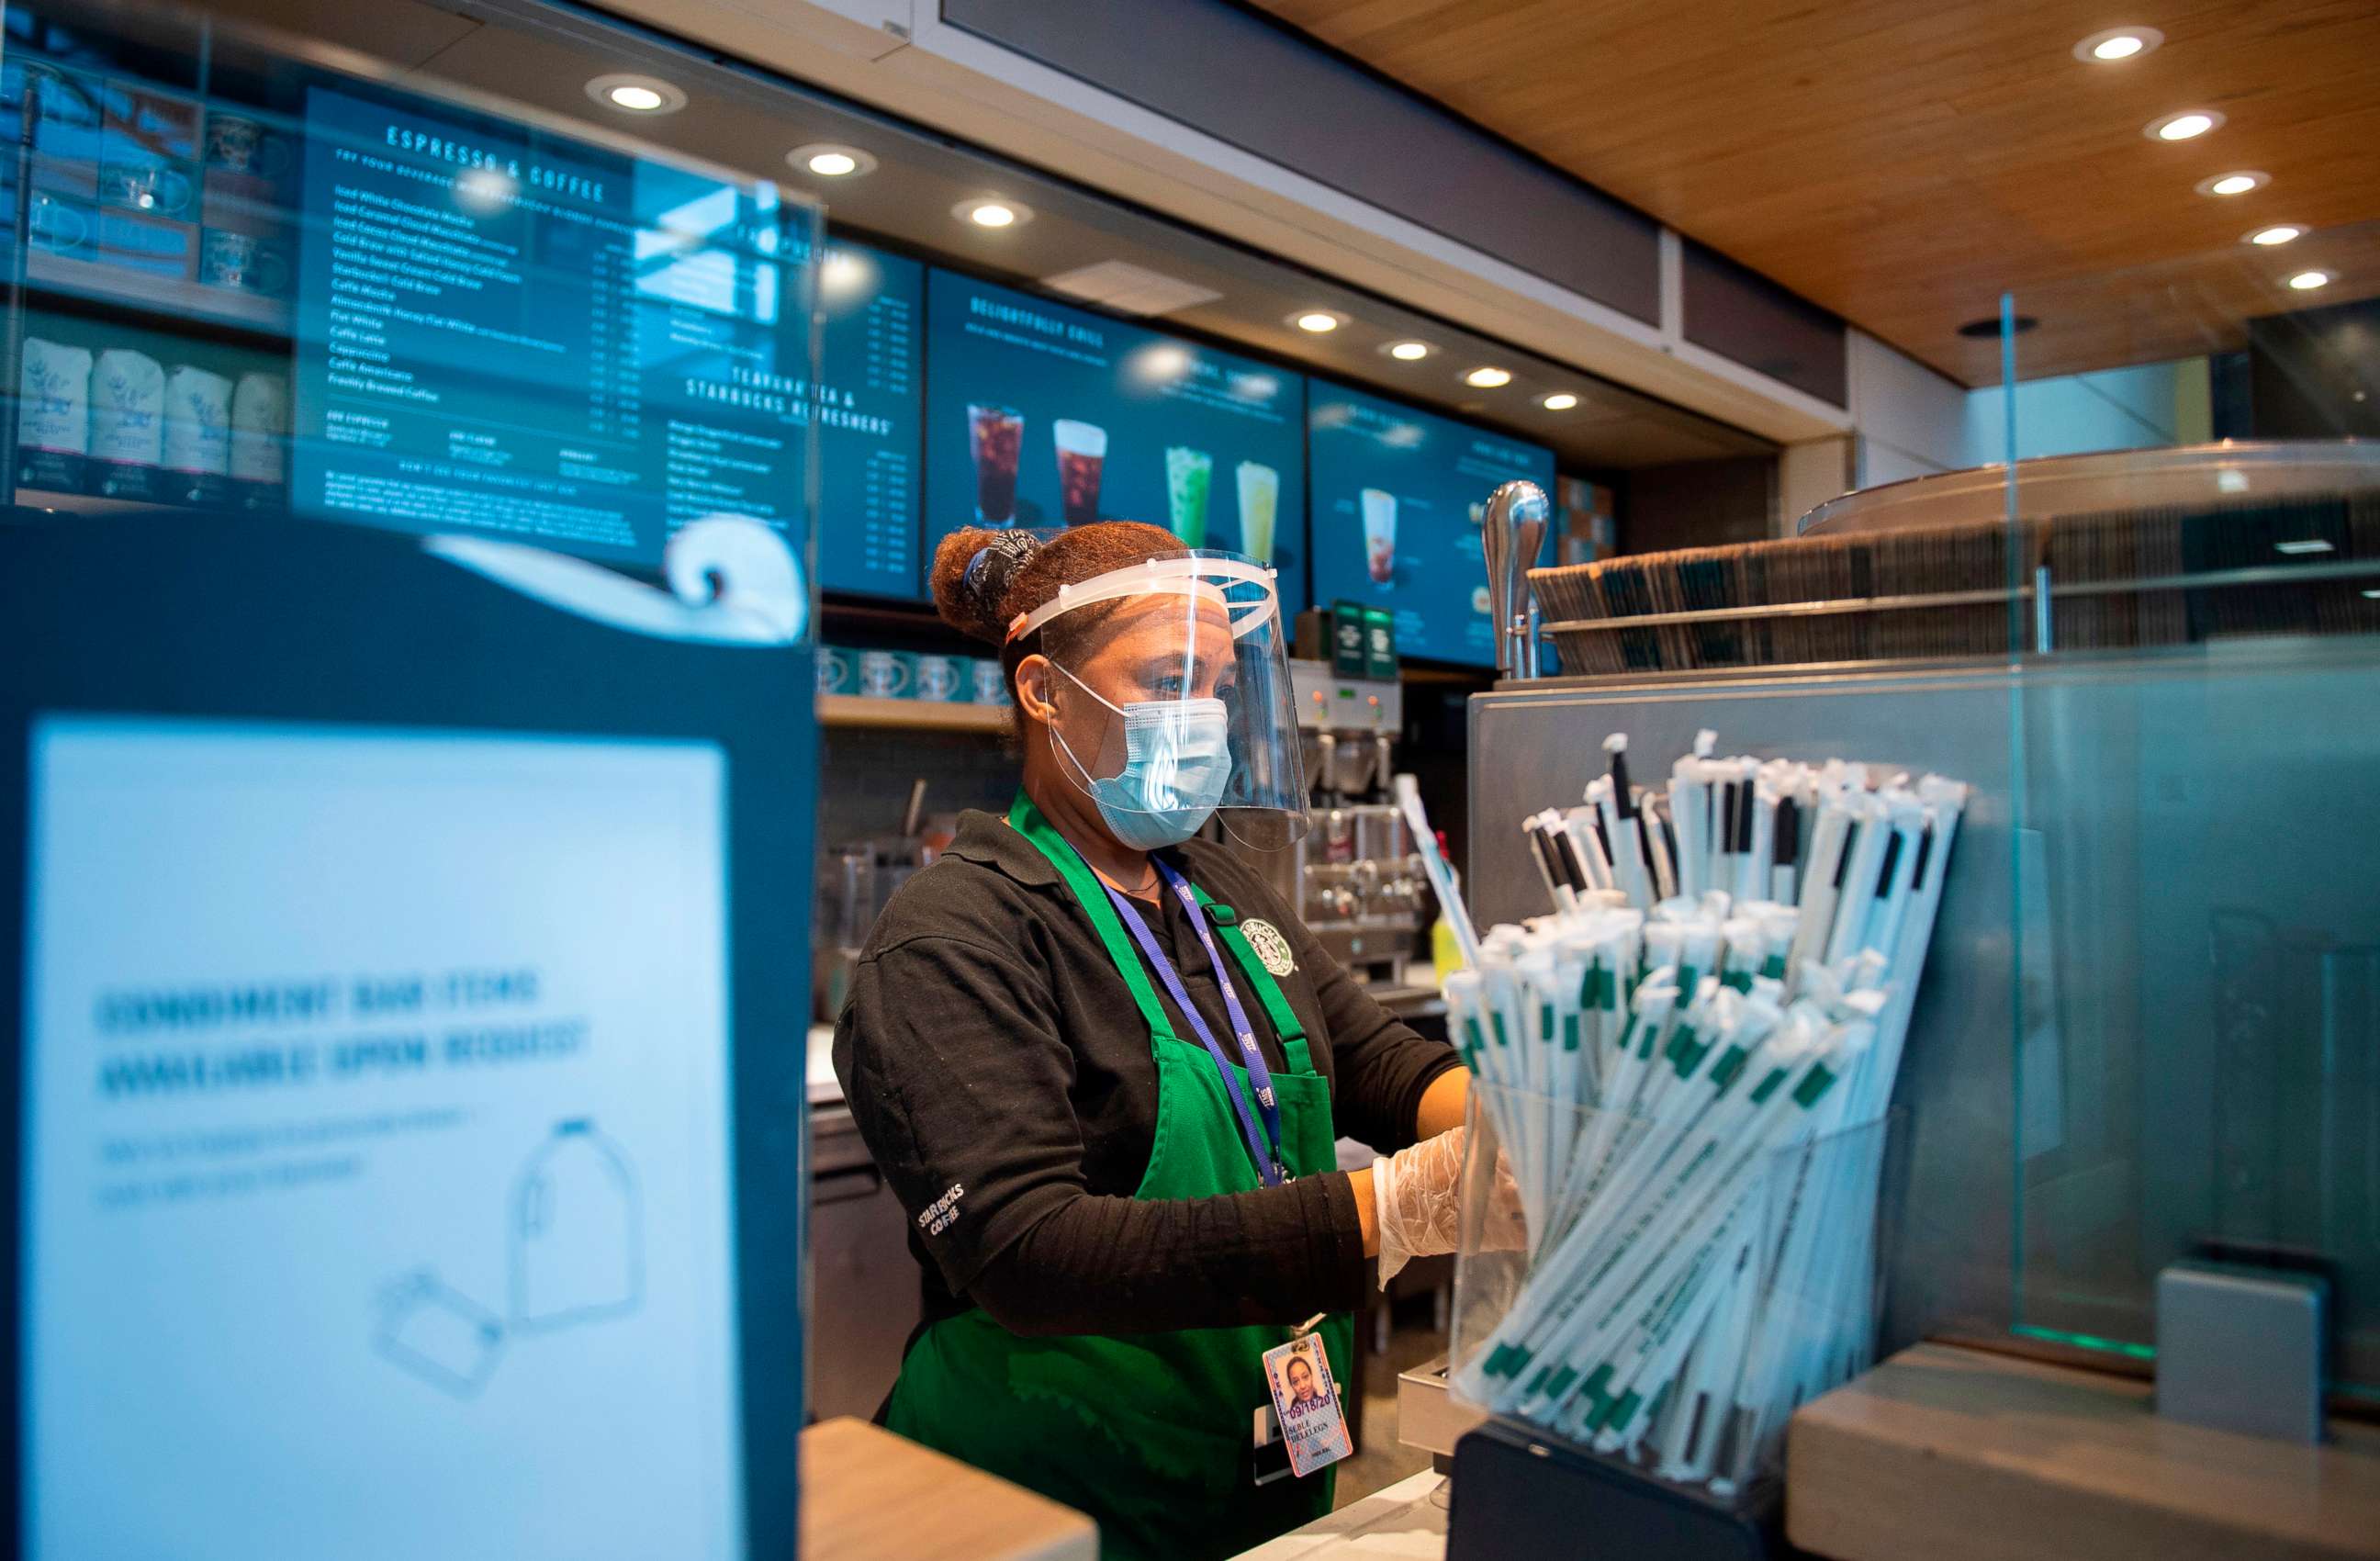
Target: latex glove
(1417, 1196)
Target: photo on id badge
(1307, 1403)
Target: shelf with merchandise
(859, 710)
(178, 304)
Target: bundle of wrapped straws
(1689, 1065)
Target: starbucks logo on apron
(1271, 947)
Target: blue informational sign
(1398, 497)
(509, 332)
(870, 391)
(1040, 415)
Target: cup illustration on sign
(437, 1333)
(1082, 455)
(1380, 534)
(1188, 474)
(1259, 502)
(575, 1230)
(991, 681)
(576, 1241)
(995, 434)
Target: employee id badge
(1313, 1428)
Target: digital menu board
(1041, 414)
(505, 331)
(871, 390)
(1398, 499)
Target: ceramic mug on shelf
(886, 674)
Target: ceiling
(535, 62)
(1901, 164)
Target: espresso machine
(1355, 879)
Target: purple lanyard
(1264, 1149)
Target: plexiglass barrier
(2194, 967)
(2144, 625)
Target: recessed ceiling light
(2279, 232)
(2118, 44)
(2303, 546)
(2240, 183)
(1488, 379)
(2307, 281)
(637, 94)
(1407, 352)
(1561, 401)
(988, 213)
(2187, 125)
(831, 159)
(1987, 327)
(1319, 322)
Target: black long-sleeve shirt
(1002, 1076)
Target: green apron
(1149, 1433)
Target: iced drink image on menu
(1188, 474)
(1259, 498)
(1082, 453)
(996, 433)
(1380, 534)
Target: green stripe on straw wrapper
(1478, 1042)
(1681, 1041)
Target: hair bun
(973, 570)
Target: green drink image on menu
(1188, 474)
(1260, 500)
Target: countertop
(869, 1495)
(1405, 1522)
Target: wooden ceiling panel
(1901, 162)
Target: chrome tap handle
(1510, 533)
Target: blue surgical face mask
(1177, 761)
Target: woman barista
(1103, 1066)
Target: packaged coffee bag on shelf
(53, 416)
(128, 425)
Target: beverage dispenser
(1355, 879)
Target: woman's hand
(1419, 1196)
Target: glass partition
(2195, 951)
(2144, 626)
(313, 272)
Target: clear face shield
(1170, 701)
